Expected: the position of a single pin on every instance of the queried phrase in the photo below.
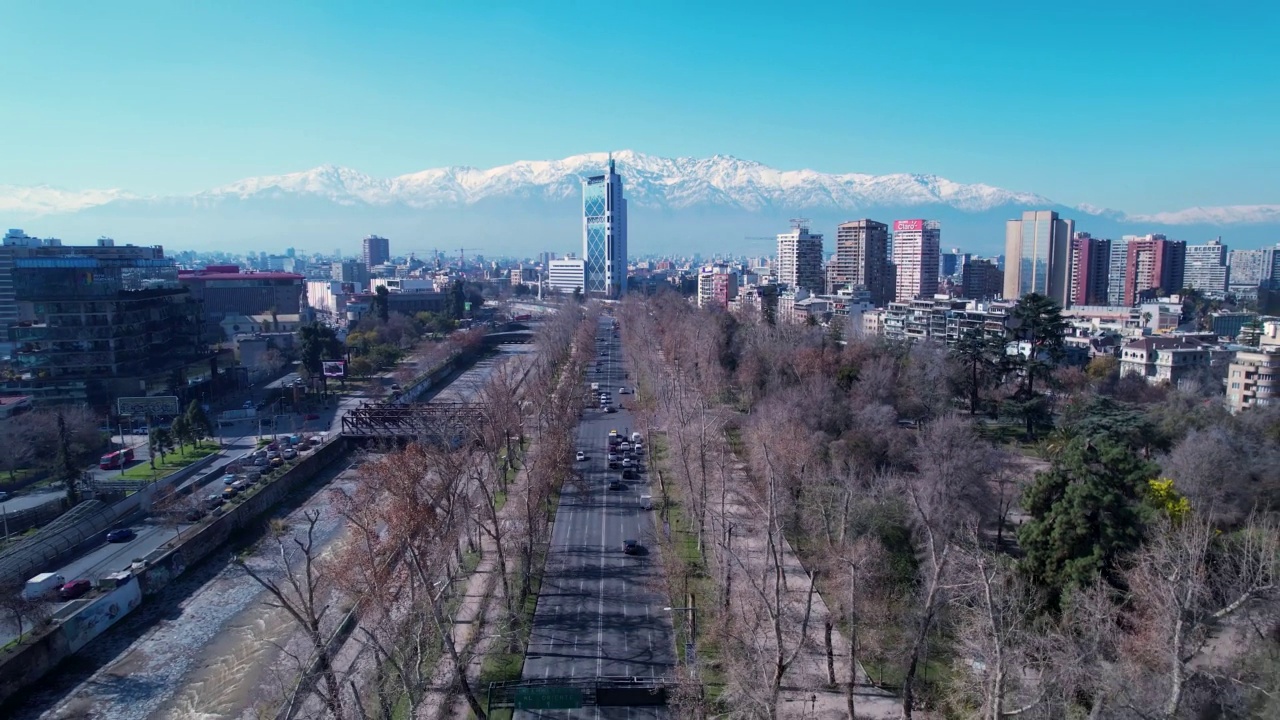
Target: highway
(600, 611)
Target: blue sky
(1142, 106)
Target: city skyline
(173, 73)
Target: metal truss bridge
(428, 422)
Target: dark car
(629, 474)
(74, 589)
(214, 501)
(610, 409)
(617, 485)
(4, 496)
(194, 514)
(631, 547)
(121, 535)
(273, 446)
(313, 416)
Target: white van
(595, 387)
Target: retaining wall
(29, 662)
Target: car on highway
(623, 391)
(627, 462)
(631, 547)
(613, 433)
(289, 454)
(629, 474)
(617, 485)
(624, 446)
(74, 589)
(580, 456)
(610, 409)
(120, 535)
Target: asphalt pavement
(600, 611)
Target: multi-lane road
(601, 611)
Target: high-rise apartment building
(981, 280)
(1206, 267)
(1116, 276)
(717, 285)
(604, 234)
(1038, 256)
(916, 246)
(1090, 269)
(377, 251)
(862, 260)
(566, 275)
(1154, 266)
(800, 258)
(1250, 268)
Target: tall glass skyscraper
(604, 234)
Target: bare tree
(22, 609)
(303, 593)
(19, 450)
(946, 492)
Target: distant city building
(402, 285)
(1250, 268)
(717, 285)
(566, 275)
(354, 272)
(1090, 268)
(861, 261)
(952, 263)
(224, 290)
(915, 258)
(1038, 248)
(1229, 324)
(1206, 268)
(982, 280)
(377, 251)
(800, 258)
(604, 235)
(1155, 266)
(1116, 275)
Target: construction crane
(462, 254)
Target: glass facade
(595, 215)
(1035, 255)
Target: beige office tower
(1037, 256)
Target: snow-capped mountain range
(651, 181)
(536, 193)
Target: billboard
(144, 406)
(908, 225)
(334, 368)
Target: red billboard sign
(908, 225)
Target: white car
(623, 391)
(626, 462)
(580, 456)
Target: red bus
(113, 460)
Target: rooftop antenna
(798, 223)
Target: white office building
(800, 258)
(1206, 268)
(566, 275)
(916, 247)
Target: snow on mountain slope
(651, 181)
(45, 200)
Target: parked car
(627, 462)
(120, 535)
(74, 589)
(240, 485)
(316, 439)
(631, 547)
(194, 514)
(276, 462)
(629, 474)
(395, 387)
(214, 501)
(289, 453)
(273, 445)
(5, 497)
(617, 485)
(260, 461)
(228, 479)
(229, 492)
(580, 456)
